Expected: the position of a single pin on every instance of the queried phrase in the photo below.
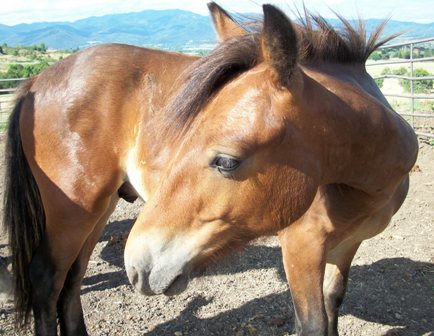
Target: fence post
(411, 85)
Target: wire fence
(420, 110)
(417, 111)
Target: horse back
(82, 114)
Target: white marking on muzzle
(160, 259)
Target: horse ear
(224, 24)
(279, 43)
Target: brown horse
(278, 132)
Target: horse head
(242, 169)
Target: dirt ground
(390, 290)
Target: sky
(27, 11)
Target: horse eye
(225, 163)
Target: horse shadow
(395, 291)
(112, 253)
(392, 291)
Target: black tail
(24, 217)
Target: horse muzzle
(169, 280)
(155, 266)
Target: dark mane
(208, 73)
(318, 41)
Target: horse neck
(360, 140)
(160, 82)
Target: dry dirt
(390, 291)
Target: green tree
(405, 54)
(385, 54)
(41, 47)
(375, 56)
(21, 71)
(35, 69)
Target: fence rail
(7, 100)
(411, 96)
(402, 61)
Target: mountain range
(167, 29)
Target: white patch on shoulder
(74, 145)
(134, 171)
(74, 176)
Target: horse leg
(304, 262)
(45, 282)
(66, 232)
(335, 282)
(339, 258)
(69, 307)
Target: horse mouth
(169, 281)
(178, 285)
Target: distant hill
(168, 29)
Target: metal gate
(413, 115)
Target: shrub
(386, 71)
(419, 86)
(379, 82)
(402, 71)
